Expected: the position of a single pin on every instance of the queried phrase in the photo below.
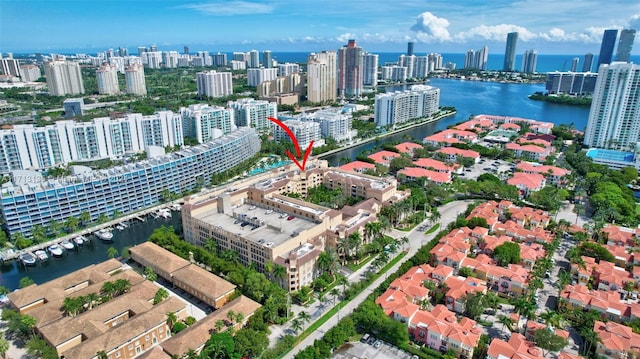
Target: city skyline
(284, 25)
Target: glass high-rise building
(606, 48)
(588, 62)
(510, 52)
(350, 70)
(625, 44)
(529, 61)
(614, 119)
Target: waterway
(90, 253)
(474, 98)
(468, 97)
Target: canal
(90, 253)
(474, 98)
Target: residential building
(134, 78)
(517, 347)
(554, 175)
(574, 64)
(530, 61)
(407, 62)
(512, 281)
(124, 327)
(322, 77)
(614, 119)
(107, 79)
(625, 44)
(477, 59)
(267, 60)
(394, 73)
(370, 69)
(304, 131)
(170, 59)
(259, 75)
(616, 341)
(238, 65)
(63, 78)
(254, 113)
(438, 166)
(410, 46)
(350, 70)
(452, 153)
(588, 62)
(125, 188)
(398, 107)
(606, 47)
(292, 84)
(30, 73)
(357, 166)
(510, 52)
(240, 56)
(214, 84)
(287, 69)
(529, 152)
(571, 83)
(384, 157)
(152, 59)
(9, 66)
(408, 147)
(336, 125)
(253, 61)
(527, 182)
(206, 123)
(219, 59)
(415, 173)
(449, 137)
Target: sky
(448, 26)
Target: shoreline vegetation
(562, 99)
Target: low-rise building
(527, 182)
(357, 166)
(415, 173)
(452, 154)
(449, 137)
(554, 175)
(407, 147)
(384, 157)
(617, 341)
(518, 347)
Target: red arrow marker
(286, 129)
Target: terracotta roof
(383, 157)
(444, 322)
(434, 176)
(130, 329)
(530, 167)
(407, 147)
(208, 283)
(518, 347)
(617, 337)
(452, 151)
(357, 166)
(436, 165)
(155, 353)
(197, 335)
(158, 257)
(532, 181)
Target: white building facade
(107, 79)
(214, 84)
(399, 107)
(63, 78)
(322, 75)
(259, 75)
(135, 81)
(254, 113)
(206, 123)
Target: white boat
(42, 255)
(79, 241)
(120, 227)
(68, 245)
(176, 207)
(104, 235)
(27, 259)
(164, 213)
(154, 215)
(55, 250)
(124, 224)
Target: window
(117, 354)
(138, 350)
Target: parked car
(290, 218)
(371, 340)
(377, 344)
(365, 338)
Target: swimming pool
(259, 170)
(610, 155)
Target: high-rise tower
(625, 44)
(606, 48)
(63, 78)
(614, 119)
(410, 48)
(134, 77)
(370, 72)
(510, 52)
(588, 62)
(267, 61)
(529, 61)
(321, 77)
(350, 70)
(107, 79)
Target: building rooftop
(158, 256)
(208, 282)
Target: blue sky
(550, 26)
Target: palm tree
(4, 346)
(343, 247)
(506, 322)
(85, 217)
(354, 241)
(72, 224)
(91, 299)
(211, 246)
(150, 274)
(334, 293)
(54, 228)
(279, 272)
(404, 240)
(219, 325)
(231, 315)
(102, 218)
(112, 252)
(161, 294)
(121, 286)
(296, 325)
(372, 230)
(590, 338)
(72, 306)
(172, 318)
(304, 317)
(239, 318)
(328, 261)
(551, 318)
(101, 354)
(229, 255)
(39, 233)
(108, 290)
(435, 214)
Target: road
(417, 239)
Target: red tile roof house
(620, 236)
(554, 175)
(453, 153)
(459, 287)
(433, 176)
(531, 152)
(440, 330)
(607, 303)
(510, 127)
(407, 147)
(449, 137)
(358, 166)
(533, 326)
(617, 341)
(438, 166)
(527, 182)
(518, 347)
(512, 281)
(478, 124)
(384, 157)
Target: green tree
(474, 304)
(506, 253)
(85, 217)
(126, 254)
(4, 346)
(297, 325)
(150, 274)
(25, 282)
(466, 272)
(506, 322)
(161, 294)
(304, 317)
(37, 347)
(172, 319)
(250, 343)
(72, 224)
(112, 252)
(549, 341)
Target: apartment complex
(259, 75)
(265, 226)
(63, 78)
(477, 59)
(510, 52)
(322, 77)
(134, 78)
(26, 147)
(123, 327)
(254, 113)
(30, 73)
(571, 83)
(607, 46)
(124, 188)
(206, 123)
(304, 132)
(336, 125)
(398, 107)
(350, 70)
(107, 79)
(614, 119)
(530, 61)
(370, 69)
(214, 84)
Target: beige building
(202, 284)
(264, 225)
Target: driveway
(361, 350)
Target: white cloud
(495, 33)
(634, 22)
(430, 28)
(230, 8)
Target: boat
(42, 255)
(154, 215)
(79, 241)
(164, 213)
(175, 207)
(28, 259)
(68, 245)
(120, 227)
(104, 234)
(55, 250)
(124, 224)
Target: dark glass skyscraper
(625, 43)
(588, 62)
(410, 48)
(606, 48)
(510, 52)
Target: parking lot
(362, 350)
(495, 167)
